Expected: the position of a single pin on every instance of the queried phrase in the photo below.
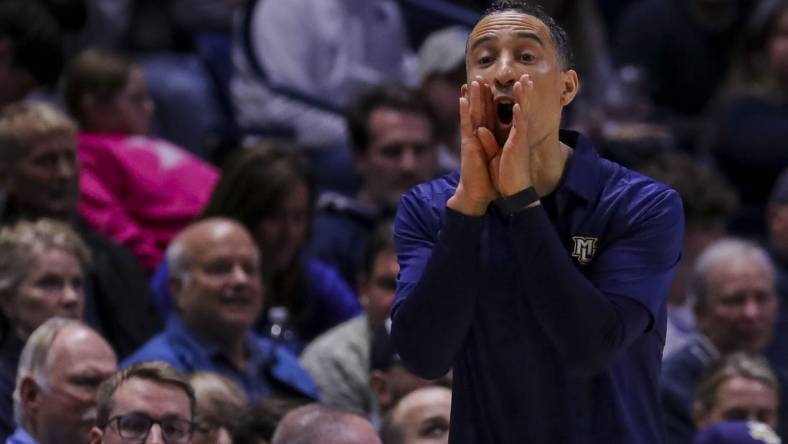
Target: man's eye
(391, 152)
(47, 161)
(485, 60)
(435, 430)
(527, 57)
(218, 268)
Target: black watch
(517, 201)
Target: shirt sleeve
(437, 285)
(590, 320)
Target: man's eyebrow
(529, 35)
(519, 34)
(481, 40)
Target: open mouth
(504, 111)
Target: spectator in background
(708, 202)
(31, 49)
(421, 417)
(441, 74)
(269, 191)
(135, 399)
(220, 403)
(40, 171)
(733, 283)
(747, 133)
(217, 291)
(42, 271)
(318, 424)
(137, 190)
(343, 47)
(60, 370)
(738, 387)
(339, 359)
(395, 147)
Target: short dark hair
(389, 96)
(154, 371)
(36, 36)
(557, 33)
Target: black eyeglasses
(136, 426)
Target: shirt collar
(181, 334)
(581, 176)
(21, 436)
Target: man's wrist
(462, 203)
(519, 201)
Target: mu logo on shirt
(584, 248)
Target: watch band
(517, 201)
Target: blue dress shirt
(270, 369)
(553, 318)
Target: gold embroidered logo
(584, 248)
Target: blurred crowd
(196, 199)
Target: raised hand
(477, 117)
(514, 168)
(487, 171)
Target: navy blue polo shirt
(553, 319)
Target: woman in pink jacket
(136, 189)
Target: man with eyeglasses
(60, 369)
(150, 402)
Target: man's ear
(378, 382)
(96, 435)
(571, 86)
(29, 394)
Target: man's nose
(155, 435)
(505, 74)
(408, 160)
(239, 274)
(223, 437)
(66, 167)
(752, 309)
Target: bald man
(421, 417)
(217, 290)
(60, 370)
(319, 424)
